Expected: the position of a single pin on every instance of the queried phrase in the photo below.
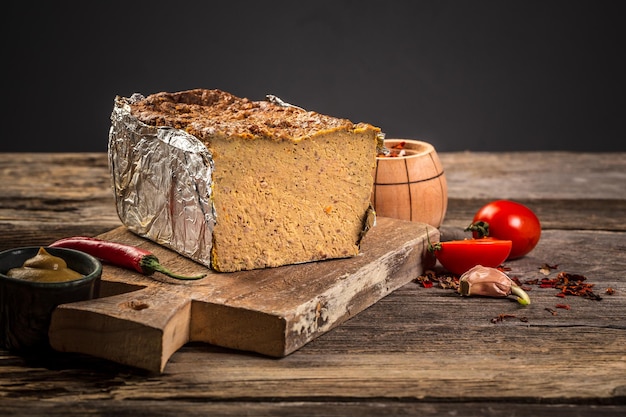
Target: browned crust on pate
(208, 114)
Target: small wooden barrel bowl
(410, 187)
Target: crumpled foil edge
(162, 181)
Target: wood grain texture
(60, 194)
(417, 351)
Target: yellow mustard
(44, 267)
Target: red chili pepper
(119, 254)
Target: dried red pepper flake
(548, 283)
(523, 285)
(443, 280)
(609, 291)
(501, 317)
(546, 268)
(427, 283)
(568, 284)
(394, 151)
(563, 306)
(566, 276)
(449, 283)
(551, 311)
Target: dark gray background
(464, 75)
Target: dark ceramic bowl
(26, 306)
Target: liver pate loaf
(287, 185)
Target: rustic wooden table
(423, 351)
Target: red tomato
(508, 220)
(458, 256)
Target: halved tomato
(458, 256)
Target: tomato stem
(480, 227)
(431, 247)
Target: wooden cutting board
(141, 321)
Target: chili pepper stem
(522, 296)
(151, 264)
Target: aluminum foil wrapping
(162, 181)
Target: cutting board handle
(142, 328)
